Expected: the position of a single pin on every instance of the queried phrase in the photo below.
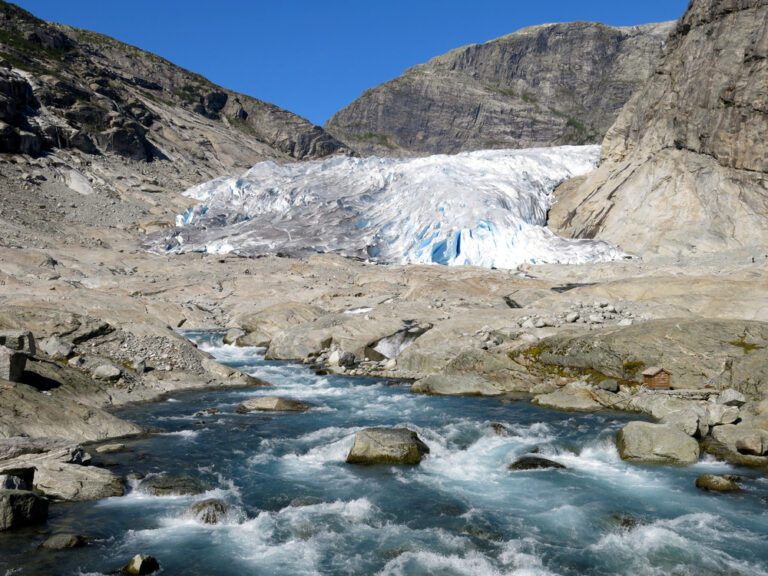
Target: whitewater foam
(486, 208)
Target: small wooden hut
(657, 378)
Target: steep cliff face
(64, 88)
(685, 167)
(542, 86)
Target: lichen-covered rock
(656, 443)
(64, 542)
(575, 396)
(387, 446)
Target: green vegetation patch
(747, 347)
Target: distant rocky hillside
(685, 166)
(67, 89)
(542, 86)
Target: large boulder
(12, 364)
(387, 446)
(576, 396)
(73, 482)
(714, 483)
(271, 404)
(21, 508)
(534, 463)
(656, 443)
(210, 511)
(141, 565)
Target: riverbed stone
(20, 508)
(210, 511)
(140, 565)
(110, 448)
(173, 485)
(272, 404)
(656, 443)
(64, 542)
(534, 463)
(715, 483)
(387, 446)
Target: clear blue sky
(312, 56)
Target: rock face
(541, 86)
(21, 508)
(64, 542)
(272, 404)
(387, 446)
(75, 89)
(687, 155)
(656, 444)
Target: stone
(389, 364)
(685, 420)
(731, 397)
(721, 414)
(20, 508)
(73, 482)
(210, 511)
(232, 335)
(499, 429)
(56, 348)
(387, 446)
(16, 479)
(714, 483)
(141, 565)
(656, 443)
(64, 542)
(272, 404)
(110, 448)
(107, 372)
(534, 463)
(173, 485)
(576, 396)
(596, 319)
(609, 385)
(19, 340)
(752, 444)
(12, 364)
(572, 317)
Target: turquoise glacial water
(298, 508)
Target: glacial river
(297, 508)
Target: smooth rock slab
(656, 443)
(534, 463)
(73, 482)
(272, 404)
(573, 398)
(20, 508)
(387, 446)
(714, 483)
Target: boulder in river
(210, 511)
(714, 483)
(656, 443)
(173, 485)
(534, 463)
(576, 396)
(272, 404)
(21, 508)
(64, 542)
(141, 565)
(387, 446)
(73, 482)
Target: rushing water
(297, 508)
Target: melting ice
(486, 208)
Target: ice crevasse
(485, 208)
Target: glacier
(486, 208)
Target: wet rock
(271, 404)
(107, 372)
(56, 348)
(211, 511)
(302, 501)
(141, 565)
(12, 364)
(73, 482)
(341, 359)
(731, 397)
(387, 446)
(534, 463)
(64, 542)
(656, 443)
(173, 485)
(110, 448)
(714, 483)
(499, 429)
(20, 508)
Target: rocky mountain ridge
(546, 85)
(63, 88)
(687, 156)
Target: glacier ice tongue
(485, 208)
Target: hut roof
(654, 370)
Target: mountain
(685, 166)
(484, 208)
(67, 89)
(547, 85)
